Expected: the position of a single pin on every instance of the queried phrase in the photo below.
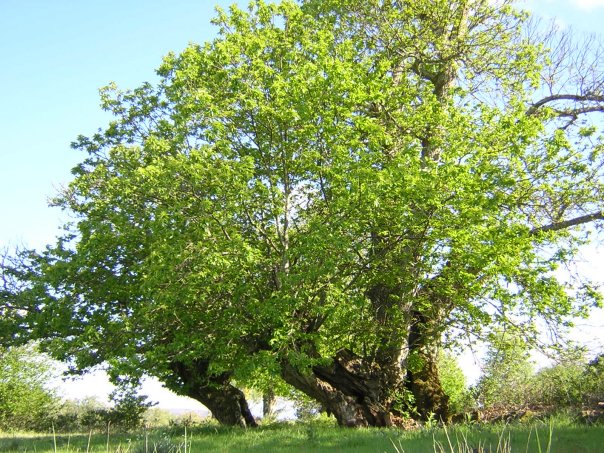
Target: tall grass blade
(108, 425)
(436, 445)
(538, 440)
(448, 439)
(397, 449)
(549, 439)
(528, 441)
(54, 438)
(502, 444)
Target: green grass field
(321, 437)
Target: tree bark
(363, 391)
(268, 403)
(344, 391)
(226, 402)
(423, 378)
(391, 353)
(347, 393)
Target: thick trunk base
(430, 399)
(228, 405)
(424, 383)
(344, 392)
(226, 402)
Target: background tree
(27, 400)
(325, 191)
(507, 375)
(454, 384)
(595, 375)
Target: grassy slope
(318, 437)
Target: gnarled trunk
(344, 390)
(423, 378)
(430, 398)
(392, 330)
(366, 391)
(226, 402)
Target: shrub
(90, 414)
(594, 373)
(509, 381)
(81, 415)
(507, 374)
(157, 418)
(561, 385)
(130, 408)
(26, 400)
(454, 384)
(571, 382)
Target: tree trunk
(226, 402)
(430, 398)
(392, 332)
(347, 393)
(423, 378)
(364, 391)
(268, 403)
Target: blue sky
(56, 54)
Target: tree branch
(557, 226)
(567, 97)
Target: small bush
(157, 418)
(507, 378)
(26, 402)
(130, 408)
(91, 415)
(81, 415)
(594, 374)
(454, 384)
(561, 385)
(187, 420)
(509, 382)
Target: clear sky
(56, 54)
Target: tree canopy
(328, 192)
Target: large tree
(326, 192)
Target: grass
(322, 436)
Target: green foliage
(594, 373)
(128, 413)
(571, 382)
(509, 380)
(507, 377)
(26, 400)
(130, 408)
(454, 383)
(186, 421)
(158, 418)
(564, 384)
(81, 416)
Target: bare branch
(557, 226)
(572, 81)
(592, 98)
